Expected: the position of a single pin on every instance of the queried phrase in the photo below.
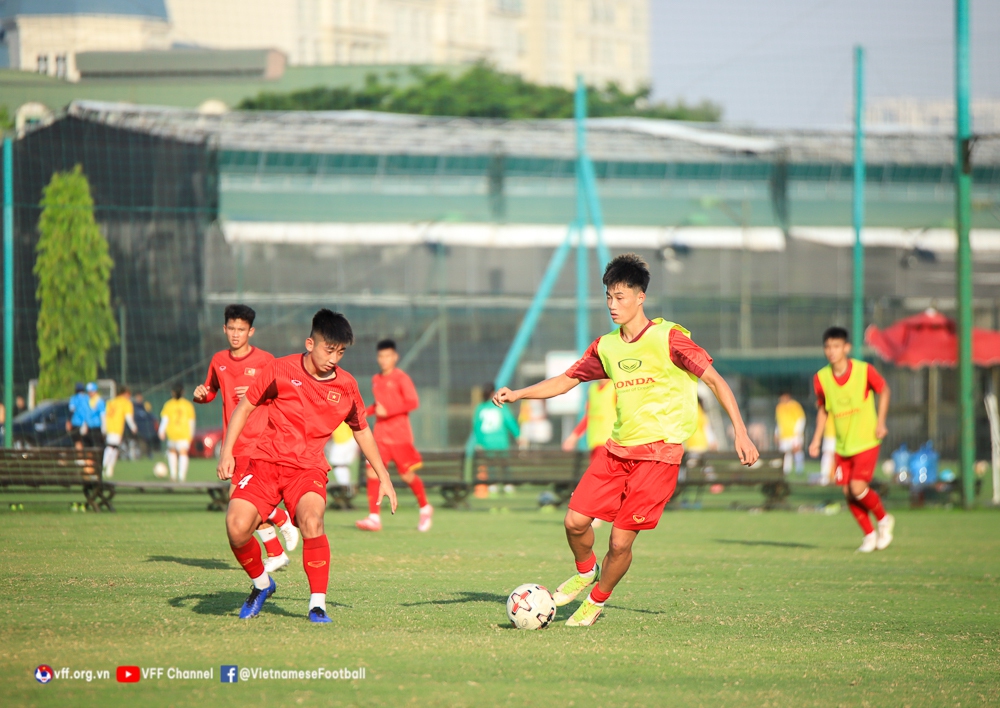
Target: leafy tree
(76, 325)
(6, 122)
(479, 92)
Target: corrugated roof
(365, 132)
(133, 8)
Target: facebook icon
(229, 674)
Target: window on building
(61, 66)
(510, 7)
(43, 63)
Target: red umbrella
(930, 339)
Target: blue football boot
(318, 615)
(255, 601)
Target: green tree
(478, 92)
(76, 325)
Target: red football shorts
(265, 484)
(242, 463)
(630, 494)
(859, 467)
(404, 455)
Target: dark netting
(154, 200)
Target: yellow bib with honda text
(655, 400)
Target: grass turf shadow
(206, 563)
(465, 597)
(222, 604)
(776, 544)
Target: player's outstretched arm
(746, 450)
(366, 441)
(227, 462)
(814, 446)
(549, 388)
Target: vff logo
(229, 674)
(43, 674)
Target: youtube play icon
(128, 674)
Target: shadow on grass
(222, 604)
(465, 597)
(206, 563)
(778, 544)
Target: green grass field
(721, 608)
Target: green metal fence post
(858, 309)
(963, 217)
(8, 291)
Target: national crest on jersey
(655, 399)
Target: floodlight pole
(858, 300)
(963, 217)
(8, 291)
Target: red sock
(861, 514)
(597, 596)
(316, 562)
(587, 565)
(871, 501)
(417, 485)
(278, 517)
(249, 557)
(373, 485)
(273, 547)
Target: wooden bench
(57, 469)
(705, 469)
(217, 490)
(442, 470)
(543, 467)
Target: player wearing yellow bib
(654, 367)
(177, 428)
(844, 391)
(117, 413)
(789, 431)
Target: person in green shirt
(493, 428)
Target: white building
(547, 41)
(921, 113)
(45, 36)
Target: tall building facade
(547, 41)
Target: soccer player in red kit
(846, 390)
(308, 397)
(230, 374)
(395, 397)
(655, 368)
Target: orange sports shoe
(369, 524)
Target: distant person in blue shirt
(78, 404)
(90, 413)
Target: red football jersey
(302, 412)
(399, 396)
(226, 373)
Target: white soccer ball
(160, 469)
(531, 606)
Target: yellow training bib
(853, 411)
(655, 399)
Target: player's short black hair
(240, 312)
(386, 344)
(629, 270)
(177, 390)
(488, 391)
(122, 390)
(332, 327)
(836, 333)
